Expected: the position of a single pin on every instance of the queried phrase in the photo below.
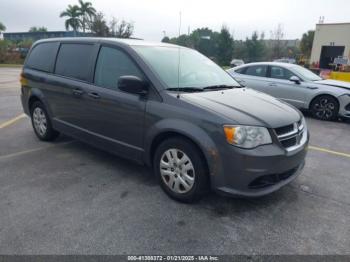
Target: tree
(2, 28)
(122, 29)
(87, 12)
(38, 29)
(73, 17)
(307, 42)
(278, 45)
(98, 25)
(255, 48)
(166, 39)
(225, 47)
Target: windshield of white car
(306, 74)
(194, 70)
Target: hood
(335, 83)
(246, 106)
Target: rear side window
(75, 60)
(112, 64)
(42, 57)
(259, 70)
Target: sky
(154, 18)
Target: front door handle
(272, 84)
(94, 95)
(78, 92)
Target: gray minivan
(168, 107)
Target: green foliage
(84, 16)
(8, 55)
(87, 12)
(98, 25)
(306, 43)
(255, 48)
(216, 45)
(2, 27)
(224, 47)
(38, 29)
(73, 15)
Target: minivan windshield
(196, 71)
(306, 74)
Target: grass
(11, 65)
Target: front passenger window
(112, 64)
(258, 70)
(280, 73)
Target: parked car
(326, 99)
(286, 60)
(236, 62)
(198, 130)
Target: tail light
(23, 80)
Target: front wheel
(181, 169)
(325, 108)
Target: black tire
(325, 107)
(200, 185)
(49, 134)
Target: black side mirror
(295, 79)
(133, 85)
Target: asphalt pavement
(69, 198)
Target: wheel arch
(189, 131)
(322, 94)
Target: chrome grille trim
(297, 137)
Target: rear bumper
(257, 172)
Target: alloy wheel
(324, 108)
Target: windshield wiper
(216, 87)
(185, 89)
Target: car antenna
(179, 57)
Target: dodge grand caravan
(168, 107)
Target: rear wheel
(41, 123)
(325, 107)
(181, 170)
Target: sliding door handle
(78, 92)
(94, 95)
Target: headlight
(247, 136)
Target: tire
(181, 170)
(41, 122)
(325, 108)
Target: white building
(330, 41)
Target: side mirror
(295, 79)
(133, 85)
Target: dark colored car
(168, 107)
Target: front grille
(289, 142)
(290, 136)
(270, 180)
(284, 129)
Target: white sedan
(296, 85)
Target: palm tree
(2, 28)
(86, 12)
(73, 17)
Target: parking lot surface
(69, 198)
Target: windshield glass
(196, 70)
(306, 74)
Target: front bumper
(257, 172)
(344, 105)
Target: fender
(187, 129)
(36, 92)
